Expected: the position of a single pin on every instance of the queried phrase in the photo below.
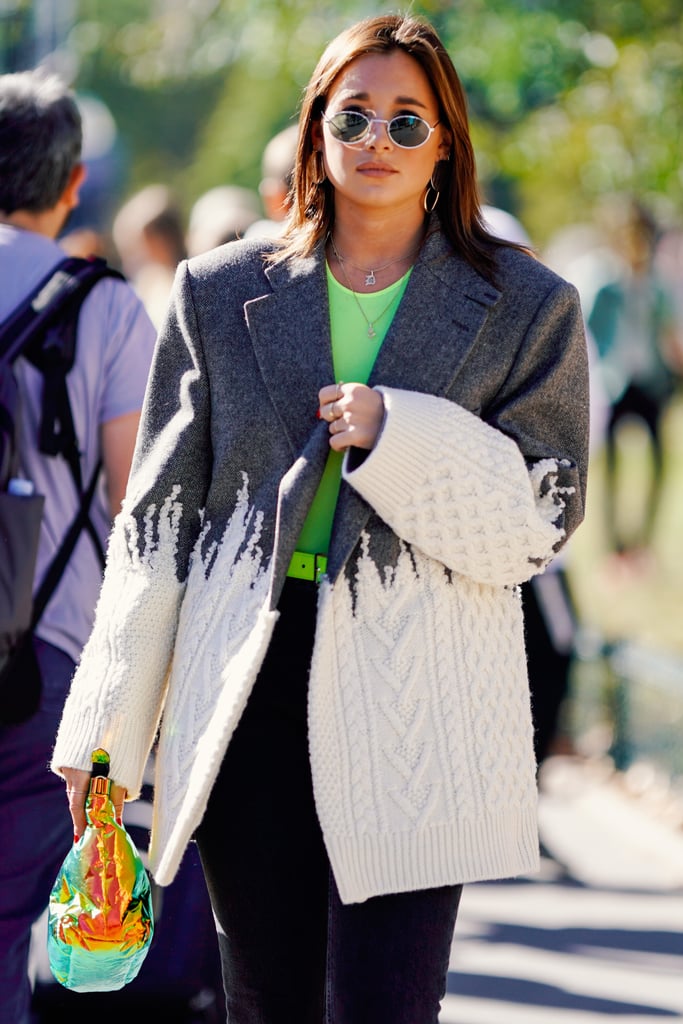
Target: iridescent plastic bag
(100, 921)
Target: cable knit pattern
(460, 490)
(227, 628)
(420, 729)
(132, 641)
(411, 693)
(224, 642)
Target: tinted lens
(348, 125)
(405, 130)
(408, 131)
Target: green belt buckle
(305, 566)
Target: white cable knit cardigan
(419, 719)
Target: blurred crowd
(151, 233)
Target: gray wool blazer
(513, 354)
(477, 478)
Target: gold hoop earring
(430, 205)
(318, 176)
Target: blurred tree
(569, 99)
(15, 36)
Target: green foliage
(569, 99)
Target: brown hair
(458, 207)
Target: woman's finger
(118, 796)
(77, 789)
(327, 396)
(77, 786)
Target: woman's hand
(77, 788)
(354, 413)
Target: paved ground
(598, 936)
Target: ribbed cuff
(417, 427)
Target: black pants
(548, 660)
(36, 829)
(640, 404)
(292, 953)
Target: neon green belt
(307, 567)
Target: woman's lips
(375, 170)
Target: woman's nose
(378, 131)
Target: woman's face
(376, 172)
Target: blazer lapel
(444, 307)
(443, 310)
(290, 332)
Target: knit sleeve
(118, 690)
(492, 496)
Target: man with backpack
(40, 178)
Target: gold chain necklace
(370, 277)
(372, 333)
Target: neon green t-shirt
(353, 354)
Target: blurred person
(550, 617)
(580, 254)
(358, 439)
(505, 225)
(223, 214)
(633, 322)
(277, 170)
(85, 242)
(40, 178)
(103, 157)
(668, 263)
(149, 235)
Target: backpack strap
(48, 341)
(43, 328)
(60, 291)
(59, 562)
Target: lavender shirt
(114, 350)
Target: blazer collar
(442, 311)
(437, 322)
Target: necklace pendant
(372, 333)
(370, 278)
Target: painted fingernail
(76, 838)
(317, 414)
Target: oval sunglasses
(408, 131)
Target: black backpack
(42, 329)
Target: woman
(338, 814)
